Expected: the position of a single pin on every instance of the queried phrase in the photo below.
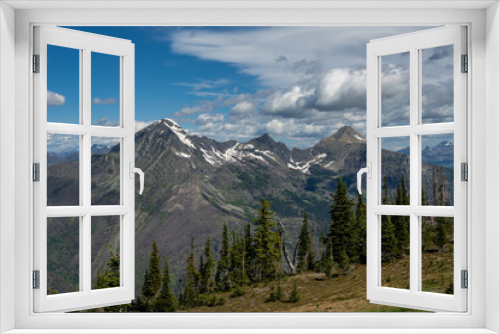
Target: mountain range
(195, 184)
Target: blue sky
(299, 84)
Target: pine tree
(426, 226)
(402, 223)
(152, 280)
(267, 245)
(237, 260)
(294, 295)
(389, 241)
(341, 222)
(328, 258)
(109, 278)
(344, 262)
(224, 263)
(208, 272)
(249, 253)
(166, 301)
(192, 279)
(304, 254)
(441, 238)
(360, 228)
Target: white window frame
(86, 44)
(413, 43)
(484, 103)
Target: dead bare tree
(281, 231)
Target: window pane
(63, 169)
(437, 169)
(437, 254)
(395, 169)
(437, 84)
(63, 266)
(395, 251)
(105, 252)
(105, 171)
(63, 85)
(395, 89)
(105, 89)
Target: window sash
(85, 298)
(413, 43)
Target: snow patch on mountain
(183, 155)
(181, 134)
(236, 153)
(268, 154)
(359, 138)
(304, 166)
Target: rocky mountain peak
(348, 134)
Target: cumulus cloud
(106, 101)
(55, 99)
(312, 81)
(243, 108)
(287, 103)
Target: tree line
(261, 253)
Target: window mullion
(414, 168)
(85, 179)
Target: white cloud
(288, 102)
(244, 108)
(206, 118)
(313, 81)
(204, 106)
(139, 125)
(106, 122)
(106, 101)
(58, 143)
(282, 56)
(55, 99)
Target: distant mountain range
(442, 154)
(194, 185)
(71, 155)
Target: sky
(299, 84)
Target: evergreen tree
(237, 269)
(344, 262)
(102, 280)
(342, 222)
(327, 261)
(304, 254)
(166, 301)
(224, 263)
(294, 295)
(109, 278)
(208, 272)
(360, 228)
(152, 280)
(190, 296)
(402, 223)
(249, 253)
(441, 238)
(113, 269)
(426, 226)
(389, 241)
(266, 245)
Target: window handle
(141, 175)
(368, 171)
